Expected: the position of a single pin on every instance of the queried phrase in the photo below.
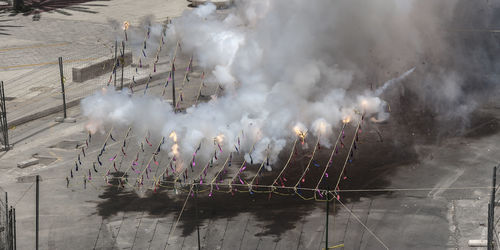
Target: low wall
(96, 68)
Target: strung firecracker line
(202, 83)
(287, 162)
(243, 165)
(157, 57)
(137, 157)
(188, 68)
(123, 152)
(258, 171)
(309, 164)
(203, 171)
(103, 148)
(157, 150)
(185, 168)
(217, 175)
(350, 151)
(324, 190)
(172, 68)
(334, 151)
(157, 177)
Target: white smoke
(282, 63)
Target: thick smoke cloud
(295, 63)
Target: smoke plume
(295, 63)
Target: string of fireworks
(188, 69)
(287, 162)
(302, 177)
(243, 165)
(135, 162)
(202, 83)
(291, 188)
(258, 171)
(350, 152)
(157, 56)
(172, 68)
(147, 167)
(334, 151)
(191, 163)
(113, 164)
(103, 148)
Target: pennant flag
(71, 172)
(83, 152)
(236, 149)
(76, 164)
(99, 161)
(123, 152)
(111, 137)
(93, 165)
(112, 158)
(326, 174)
(79, 159)
(144, 53)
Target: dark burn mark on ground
(374, 162)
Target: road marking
(48, 63)
(35, 46)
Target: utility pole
(62, 85)
(491, 211)
(122, 62)
(173, 87)
(196, 209)
(37, 207)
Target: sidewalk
(79, 33)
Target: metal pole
(7, 218)
(5, 127)
(37, 207)
(9, 231)
(491, 211)
(62, 85)
(123, 63)
(327, 214)
(196, 209)
(116, 60)
(173, 87)
(14, 231)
